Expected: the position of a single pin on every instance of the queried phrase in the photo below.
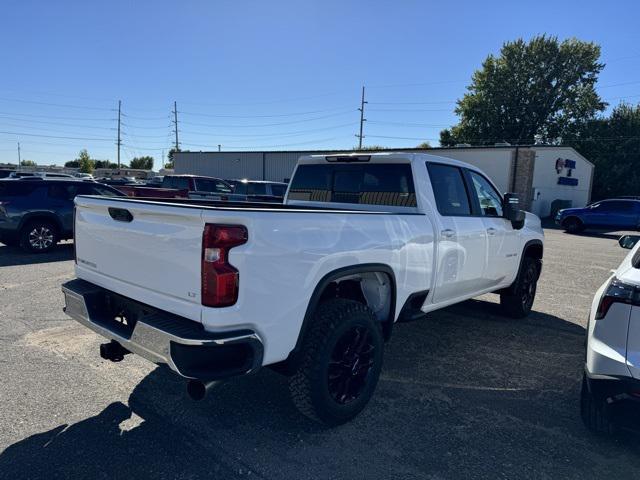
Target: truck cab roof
(383, 157)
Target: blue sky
(267, 74)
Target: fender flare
(527, 245)
(333, 276)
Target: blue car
(621, 214)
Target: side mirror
(628, 241)
(511, 210)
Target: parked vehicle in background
(119, 181)
(611, 383)
(37, 214)
(4, 173)
(200, 187)
(311, 287)
(154, 181)
(16, 174)
(618, 213)
(144, 191)
(259, 190)
(84, 176)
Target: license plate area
(116, 313)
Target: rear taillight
(220, 280)
(617, 292)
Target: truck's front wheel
(341, 362)
(517, 300)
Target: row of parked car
(36, 211)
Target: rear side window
(448, 187)
(372, 184)
(11, 188)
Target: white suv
(611, 384)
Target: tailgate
(145, 251)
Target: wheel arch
(572, 217)
(31, 216)
(331, 278)
(532, 249)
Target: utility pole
(175, 121)
(362, 120)
(119, 142)
(19, 160)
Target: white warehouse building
(539, 173)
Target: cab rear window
(371, 184)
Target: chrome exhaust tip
(197, 389)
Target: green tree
(424, 145)
(72, 164)
(144, 163)
(85, 163)
(107, 164)
(28, 163)
(543, 88)
(170, 162)
(613, 144)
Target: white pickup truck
(312, 287)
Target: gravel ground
(465, 393)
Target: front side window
(371, 184)
(256, 189)
(449, 190)
(488, 197)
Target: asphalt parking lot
(465, 393)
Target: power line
(55, 104)
(267, 116)
(60, 118)
(53, 136)
(413, 103)
(267, 124)
(409, 110)
(403, 124)
(13, 119)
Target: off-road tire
(333, 322)
(517, 300)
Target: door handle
(447, 233)
(491, 231)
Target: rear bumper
(162, 337)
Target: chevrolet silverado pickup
(312, 287)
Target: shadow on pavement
(464, 393)
(10, 256)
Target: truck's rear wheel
(517, 301)
(341, 362)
